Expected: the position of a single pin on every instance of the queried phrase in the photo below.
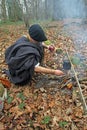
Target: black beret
(37, 33)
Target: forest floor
(48, 103)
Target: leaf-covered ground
(45, 104)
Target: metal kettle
(66, 64)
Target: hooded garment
(21, 59)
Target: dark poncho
(21, 59)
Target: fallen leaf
(78, 112)
(69, 111)
(16, 111)
(2, 126)
(5, 82)
(52, 103)
(55, 120)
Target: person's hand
(58, 72)
(51, 48)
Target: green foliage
(46, 120)
(9, 99)
(21, 105)
(1, 90)
(62, 124)
(75, 60)
(21, 96)
(8, 22)
(48, 42)
(59, 51)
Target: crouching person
(24, 57)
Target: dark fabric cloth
(21, 58)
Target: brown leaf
(55, 120)
(28, 109)
(5, 82)
(16, 111)
(52, 103)
(74, 126)
(69, 111)
(2, 126)
(78, 112)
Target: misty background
(40, 10)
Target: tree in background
(3, 10)
(39, 10)
(26, 15)
(32, 11)
(14, 10)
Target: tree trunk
(3, 10)
(26, 16)
(46, 9)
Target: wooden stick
(80, 90)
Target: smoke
(72, 8)
(73, 13)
